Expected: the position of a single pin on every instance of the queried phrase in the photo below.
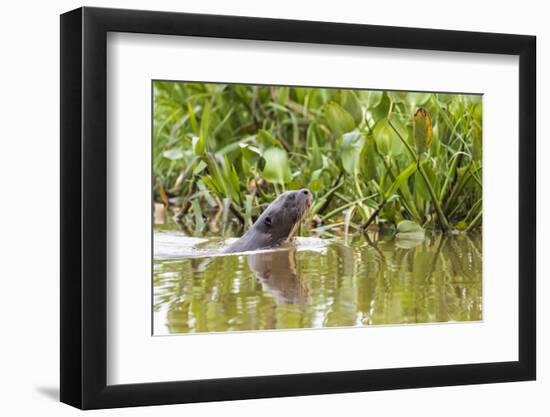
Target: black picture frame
(84, 207)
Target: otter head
(282, 217)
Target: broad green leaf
(369, 159)
(387, 141)
(417, 99)
(277, 168)
(374, 98)
(350, 151)
(338, 119)
(350, 103)
(410, 230)
(379, 110)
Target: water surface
(315, 283)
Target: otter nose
(307, 195)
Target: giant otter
(277, 223)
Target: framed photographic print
(256, 207)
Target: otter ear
(267, 221)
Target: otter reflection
(277, 273)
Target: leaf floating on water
(409, 230)
(422, 130)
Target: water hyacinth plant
(372, 159)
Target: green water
(317, 284)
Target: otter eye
(267, 221)
(306, 192)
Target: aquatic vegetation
(394, 281)
(372, 159)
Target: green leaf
(312, 144)
(224, 178)
(350, 151)
(417, 99)
(268, 139)
(477, 134)
(197, 212)
(338, 119)
(410, 230)
(282, 95)
(445, 98)
(400, 180)
(374, 98)
(387, 141)
(277, 168)
(211, 184)
(173, 154)
(368, 159)
(200, 145)
(192, 118)
(199, 167)
(398, 96)
(473, 98)
(250, 156)
(438, 131)
(233, 179)
(350, 103)
(379, 110)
